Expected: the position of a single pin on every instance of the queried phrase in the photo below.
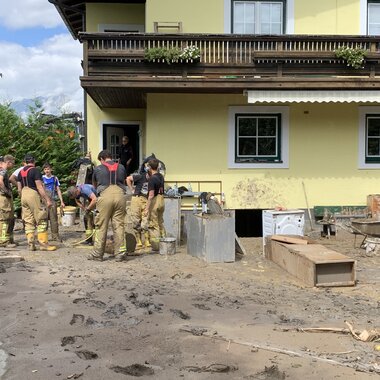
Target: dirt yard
(174, 317)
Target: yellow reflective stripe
(122, 248)
(4, 231)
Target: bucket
(167, 246)
(68, 218)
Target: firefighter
(88, 194)
(6, 203)
(34, 203)
(138, 184)
(155, 205)
(109, 180)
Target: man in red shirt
(34, 203)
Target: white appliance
(288, 222)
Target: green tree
(49, 138)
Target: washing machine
(286, 222)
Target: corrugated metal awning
(313, 96)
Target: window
(258, 17)
(372, 138)
(258, 137)
(373, 12)
(369, 137)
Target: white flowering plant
(172, 54)
(354, 57)
(190, 52)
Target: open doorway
(113, 135)
(249, 223)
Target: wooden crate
(313, 264)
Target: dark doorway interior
(112, 136)
(248, 223)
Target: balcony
(115, 73)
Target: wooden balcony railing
(116, 73)
(225, 50)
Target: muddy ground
(174, 317)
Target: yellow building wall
(197, 16)
(190, 134)
(339, 17)
(327, 17)
(96, 117)
(104, 13)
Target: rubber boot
(56, 237)
(89, 234)
(12, 242)
(147, 242)
(162, 232)
(138, 241)
(43, 242)
(6, 240)
(11, 227)
(4, 237)
(31, 242)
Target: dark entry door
(112, 136)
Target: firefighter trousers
(138, 218)
(111, 205)
(6, 219)
(34, 212)
(156, 221)
(53, 219)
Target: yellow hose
(83, 240)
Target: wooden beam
(290, 239)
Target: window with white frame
(369, 137)
(258, 137)
(258, 17)
(372, 138)
(373, 17)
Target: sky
(38, 56)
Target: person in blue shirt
(53, 191)
(85, 198)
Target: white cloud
(50, 70)
(20, 14)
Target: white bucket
(167, 246)
(68, 218)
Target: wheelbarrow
(369, 228)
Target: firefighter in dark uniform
(155, 205)
(109, 181)
(138, 184)
(34, 203)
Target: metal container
(211, 237)
(367, 226)
(167, 246)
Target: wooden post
(85, 58)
